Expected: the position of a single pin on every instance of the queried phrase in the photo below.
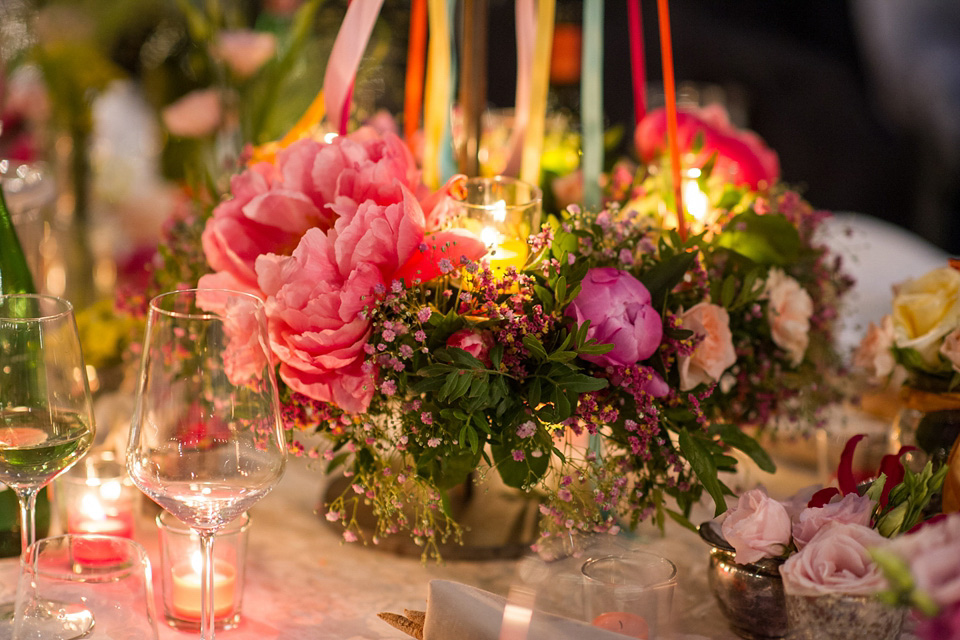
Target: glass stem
(28, 516)
(206, 587)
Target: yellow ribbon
(540, 82)
(437, 90)
(304, 127)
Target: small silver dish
(749, 595)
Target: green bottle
(15, 277)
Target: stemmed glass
(205, 439)
(46, 412)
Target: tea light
(187, 580)
(503, 212)
(99, 500)
(624, 623)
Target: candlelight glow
(91, 508)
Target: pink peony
(618, 308)
(741, 155)
(476, 343)
(875, 353)
(714, 354)
(316, 298)
(244, 51)
(272, 206)
(835, 561)
(852, 509)
(195, 115)
(788, 311)
(757, 527)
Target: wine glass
(46, 412)
(205, 439)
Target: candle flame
(111, 490)
(696, 200)
(91, 508)
(499, 211)
(490, 237)
(196, 562)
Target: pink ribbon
(526, 17)
(345, 59)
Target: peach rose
(950, 349)
(244, 51)
(875, 353)
(195, 115)
(714, 354)
(789, 308)
(836, 561)
(852, 509)
(757, 527)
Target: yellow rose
(925, 310)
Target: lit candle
(187, 581)
(628, 624)
(101, 509)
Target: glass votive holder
(630, 593)
(503, 212)
(181, 566)
(97, 497)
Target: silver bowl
(749, 595)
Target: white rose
(788, 312)
(925, 310)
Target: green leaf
(581, 383)
(680, 519)
(517, 474)
(770, 239)
(732, 435)
(561, 290)
(534, 346)
(664, 276)
(728, 291)
(534, 392)
(702, 464)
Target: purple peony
(618, 308)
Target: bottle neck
(15, 274)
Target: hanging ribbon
(637, 63)
(540, 82)
(526, 19)
(670, 94)
(438, 89)
(345, 58)
(416, 62)
(591, 101)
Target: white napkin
(459, 612)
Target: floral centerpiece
(609, 375)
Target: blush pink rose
(741, 155)
(875, 352)
(852, 509)
(244, 51)
(195, 115)
(475, 342)
(714, 354)
(836, 560)
(619, 310)
(757, 527)
(789, 308)
(933, 555)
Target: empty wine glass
(46, 414)
(102, 585)
(205, 440)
